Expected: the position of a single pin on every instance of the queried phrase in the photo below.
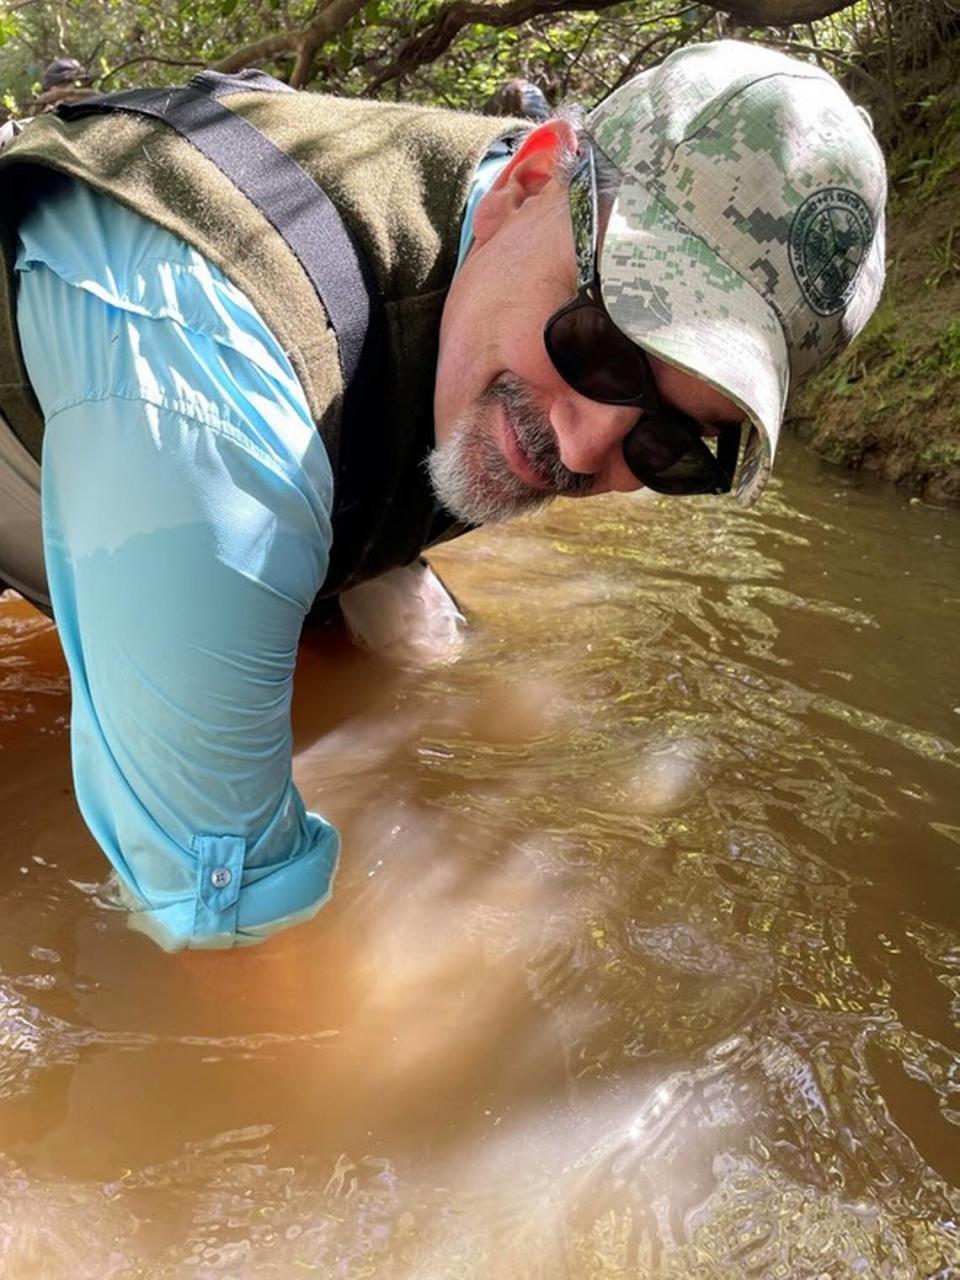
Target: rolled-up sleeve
(186, 500)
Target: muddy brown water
(643, 958)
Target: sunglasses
(664, 449)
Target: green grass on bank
(892, 402)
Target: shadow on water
(642, 959)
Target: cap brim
(669, 292)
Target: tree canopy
(454, 52)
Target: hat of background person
(745, 242)
(63, 71)
(519, 98)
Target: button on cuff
(267, 898)
(219, 876)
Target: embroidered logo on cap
(829, 238)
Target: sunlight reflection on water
(642, 959)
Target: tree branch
(331, 17)
(443, 28)
(302, 41)
(329, 21)
(436, 36)
(149, 57)
(258, 51)
(639, 57)
(778, 13)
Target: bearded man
(264, 347)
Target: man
(64, 80)
(521, 312)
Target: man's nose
(590, 436)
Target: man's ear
(525, 175)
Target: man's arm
(186, 528)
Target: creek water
(643, 958)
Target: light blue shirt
(186, 522)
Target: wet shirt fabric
(182, 567)
(186, 517)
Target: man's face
(510, 433)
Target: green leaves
(9, 27)
(572, 52)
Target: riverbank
(892, 404)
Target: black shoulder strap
(287, 197)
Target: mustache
(536, 436)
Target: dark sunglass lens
(668, 456)
(654, 445)
(594, 357)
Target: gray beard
(471, 477)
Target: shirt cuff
(237, 907)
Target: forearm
(184, 542)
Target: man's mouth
(503, 458)
(516, 456)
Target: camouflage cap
(745, 244)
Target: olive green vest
(399, 178)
